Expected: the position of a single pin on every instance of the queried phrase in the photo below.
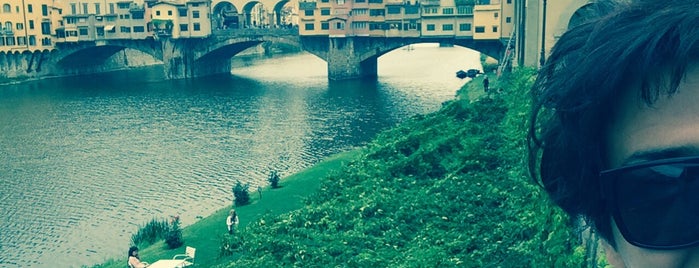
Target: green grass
(205, 235)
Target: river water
(84, 161)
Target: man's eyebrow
(661, 153)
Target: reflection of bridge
(347, 57)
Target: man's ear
(613, 256)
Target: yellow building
(181, 19)
(93, 20)
(486, 21)
(27, 25)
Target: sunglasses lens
(658, 206)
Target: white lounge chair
(188, 256)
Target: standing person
(614, 133)
(486, 83)
(232, 221)
(135, 261)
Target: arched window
(6, 8)
(32, 40)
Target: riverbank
(447, 189)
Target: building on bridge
(27, 25)
(183, 19)
(483, 19)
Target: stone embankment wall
(43, 64)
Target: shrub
(173, 238)
(151, 232)
(241, 196)
(230, 244)
(273, 179)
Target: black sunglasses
(655, 204)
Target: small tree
(241, 195)
(173, 238)
(273, 179)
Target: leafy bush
(152, 231)
(173, 238)
(273, 179)
(229, 245)
(241, 195)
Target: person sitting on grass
(134, 260)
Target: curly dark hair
(588, 69)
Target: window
(480, 29)
(464, 27)
(182, 12)
(8, 25)
(123, 5)
(447, 27)
(308, 26)
(375, 1)
(358, 25)
(45, 10)
(430, 10)
(495, 29)
(10, 41)
(97, 9)
(29, 8)
(85, 8)
(21, 40)
(377, 12)
(195, 4)
(375, 26)
(393, 9)
(508, 20)
(324, 25)
(325, 12)
(340, 26)
(448, 10)
(495, 15)
(46, 41)
(184, 27)
(137, 16)
(45, 27)
(139, 29)
(196, 26)
(2, 41)
(6, 8)
(360, 1)
(340, 2)
(73, 9)
(82, 31)
(509, 1)
(20, 26)
(111, 8)
(325, 1)
(412, 10)
(157, 12)
(125, 29)
(195, 14)
(357, 12)
(308, 12)
(169, 12)
(32, 40)
(31, 25)
(430, 27)
(464, 10)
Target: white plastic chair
(188, 256)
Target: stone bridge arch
(91, 56)
(354, 57)
(243, 10)
(192, 58)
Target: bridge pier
(177, 60)
(344, 61)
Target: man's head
(617, 90)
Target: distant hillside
(448, 189)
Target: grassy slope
(206, 234)
(447, 189)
